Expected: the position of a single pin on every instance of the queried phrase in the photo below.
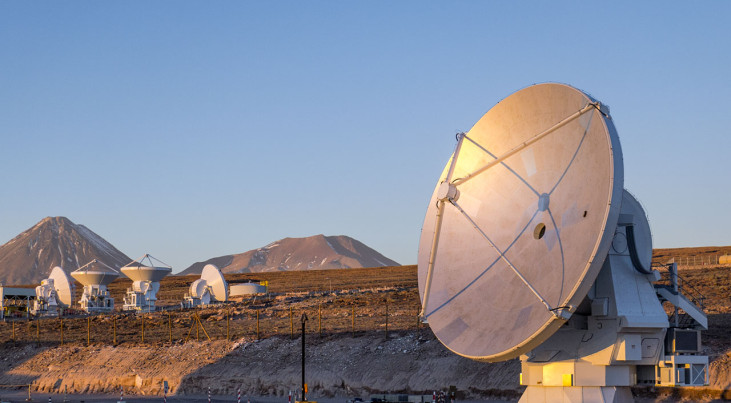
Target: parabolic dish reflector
(137, 270)
(145, 273)
(198, 288)
(529, 203)
(215, 280)
(63, 285)
(95, 272)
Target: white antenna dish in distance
(95, 272)
(213, 277)
(146, 268)
(520, 222)
(198, 288)
(63, 285)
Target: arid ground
(363, 337)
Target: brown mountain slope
(314, 252)
(54, 241)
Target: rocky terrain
(691, 257)
(317, 252)
(341, 362)
(408, 362)
(54, 241)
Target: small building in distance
(16, 301)
(247, 288)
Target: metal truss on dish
(532, 248)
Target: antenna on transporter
(211, 287)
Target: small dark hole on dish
(539, 231)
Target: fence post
(257, 324)
(13, 322)
(386, 317)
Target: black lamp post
(304, 385)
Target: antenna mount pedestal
(617, 338)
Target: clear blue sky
(190, 130)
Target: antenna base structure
(145, 277)
(54, 294)
(95, 276)
(532, 248)
(620, 336)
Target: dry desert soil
(363, 337)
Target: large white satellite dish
(146, 269)
(63, 285)
(95, 273)
(95, 276)
(531, 247)
(521, 237)
(216, 282)
(145, 273)
(54, 293)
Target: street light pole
(304, 385)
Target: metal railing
(670, 279)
